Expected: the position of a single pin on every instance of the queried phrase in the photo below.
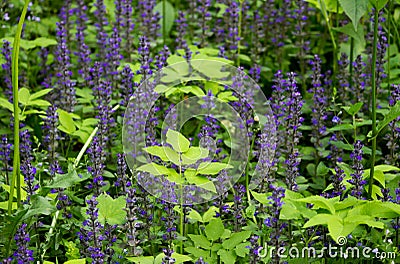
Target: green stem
(374, 88)
(182, 212)
(16, 161)
(164, 19)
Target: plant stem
(164, 19)
(374, 88)
(16, 161)
(239, 31)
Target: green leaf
(353, 110)
(261, 197)
(214, 229)
(210, 214)
(169, 16)
(319, 202)
(322, 169)
(111, 210)
(6, 104)
(354, 9)
(76, 261)
(212, 168)
(179, 258)
(227, 256)
(154, 169)
(341, 127)
(193, 155)
(242, 249)
(39, 94)
(66, 122)
(200, 241)
(43, 42)
(39, 205)
(357, 35)
(178, 142)
(194, 215)
(236, 239)
(389, 117)
(165, 153)
(65, 180)
(207, 66)
(142, 260)
(23, 96)
(379, 4)
(39, 102)
(201, 182)
(192, 89)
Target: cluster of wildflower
(357, 176)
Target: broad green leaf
(378, 4)
(242, 249)
(173, 176)
(353, 110)
(66, 122)
(207, 66)
(261, 197)
(23, 96)
(142, 260)
(236, 239)
(39, 102)
(212, 168)
(154, 169)
(389, 117)
(341, 127)
(210, 214)
(111, 210)
(43, 42)
(201, 182)
(193, 155)
(39, 205)
(179, 258)
(354, 9)
(320, 202)
(200, 241)
(357, 35)
(194, 215)
(178, 142)
(39, 94)
(214, 229)
(289, 211)
(169, 16)
(65, 180)
(227, 256)
(76, 261)
(335, 227)
(192, 89)
(165, 153)
(196, 252)
(319, 219)
(6, 104)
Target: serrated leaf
(201, 181)
(200, 241)
(194, 215)
(236, 239)
(214, 229)
(178, 141)
(65, 180)
(76, 261)
(39, 102)
(111, 210)
(39, 205)
(227, 256)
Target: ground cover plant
(224, 131)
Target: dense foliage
(223, 131)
